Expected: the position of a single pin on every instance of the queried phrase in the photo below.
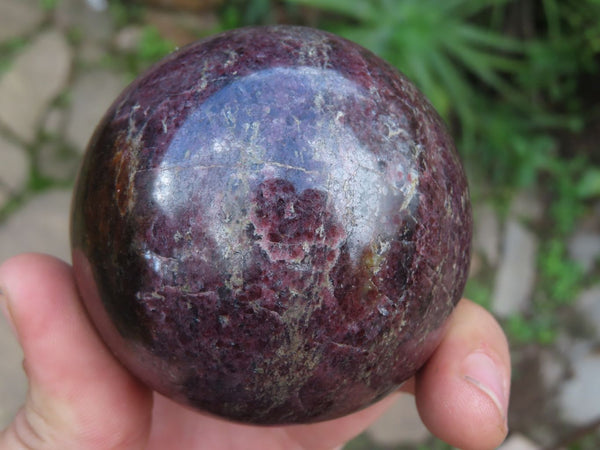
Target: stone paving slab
(92, 94)
(584, 248)
(95, 25)
(588, 305)
(45, 68)
(41, 225)
(579, 396)
(515, 277)
(18, 18)
(486, 237)
(400, 425)
(13, 384)
(14, 169)
(37, 76)
(518, 442)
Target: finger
(79, 396)
(334, 433)
(408, 386)
(196, 430)
(462, 392)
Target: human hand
(81, 398)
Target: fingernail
(6, 310)
(480, 370)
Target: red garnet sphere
(271, 225)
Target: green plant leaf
(589, 185)
(361, 9)
(420, 72)
(458, 90)
(485, 66)
(153, 46)
(49, 5)
(468, 8)
(488, 38)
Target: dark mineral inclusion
(271, 225)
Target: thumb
(79, 396)
(463, 391)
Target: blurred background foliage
(517, 82)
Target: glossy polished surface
(271, 225)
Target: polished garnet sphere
(271, 225)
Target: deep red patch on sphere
(271, 225)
